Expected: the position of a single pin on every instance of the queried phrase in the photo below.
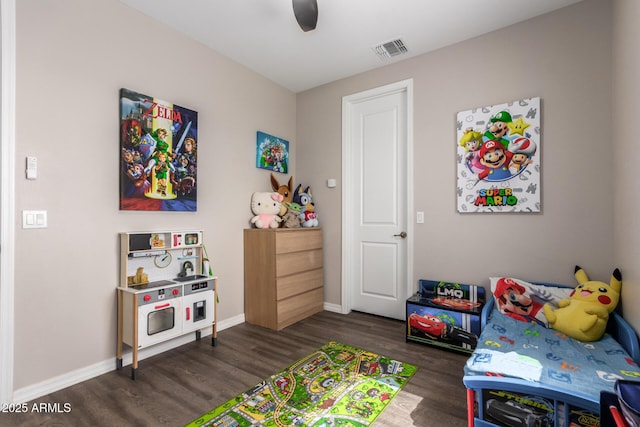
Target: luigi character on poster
(158, 154)
(498, 158)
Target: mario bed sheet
(528, 350)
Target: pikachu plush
(585, 314)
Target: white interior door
(377, 234)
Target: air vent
(390, 49)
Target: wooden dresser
(283, 275)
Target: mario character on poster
(498, 158)
(158, 154)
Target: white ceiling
(264, 36)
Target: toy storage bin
(445, 315)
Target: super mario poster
(158, 154)
(498, 158)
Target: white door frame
(7, 195)
(347, 214)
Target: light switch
(32, 167)
(419, 217)
(34, 219)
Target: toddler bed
(523, 373)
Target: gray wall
(72, 59)
(564, 58)
(626, 204)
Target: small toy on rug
(585, 314)
(291, 218)
(266, 208)
(305, 199)
(285, 190)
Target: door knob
(403, 234)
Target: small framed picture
(272, 153)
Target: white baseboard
(54, 384)
(335, 308)
(51, 385)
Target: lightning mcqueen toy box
(445, 315)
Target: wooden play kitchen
(164, 290)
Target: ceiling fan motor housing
(306, 12)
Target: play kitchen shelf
(163, 292)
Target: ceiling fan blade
(306, 12)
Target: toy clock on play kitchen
(162, 260)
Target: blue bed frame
(617, 327)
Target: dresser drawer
(295, 284)
(283, 275)
(296, 308)
(297, 240)
(297, 262)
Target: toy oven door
(159, 321)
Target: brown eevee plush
(286, 191)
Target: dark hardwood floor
(177, 386)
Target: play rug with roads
(336, 385)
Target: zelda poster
(498, 158)
(158, 154)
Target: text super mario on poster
(498, 158)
